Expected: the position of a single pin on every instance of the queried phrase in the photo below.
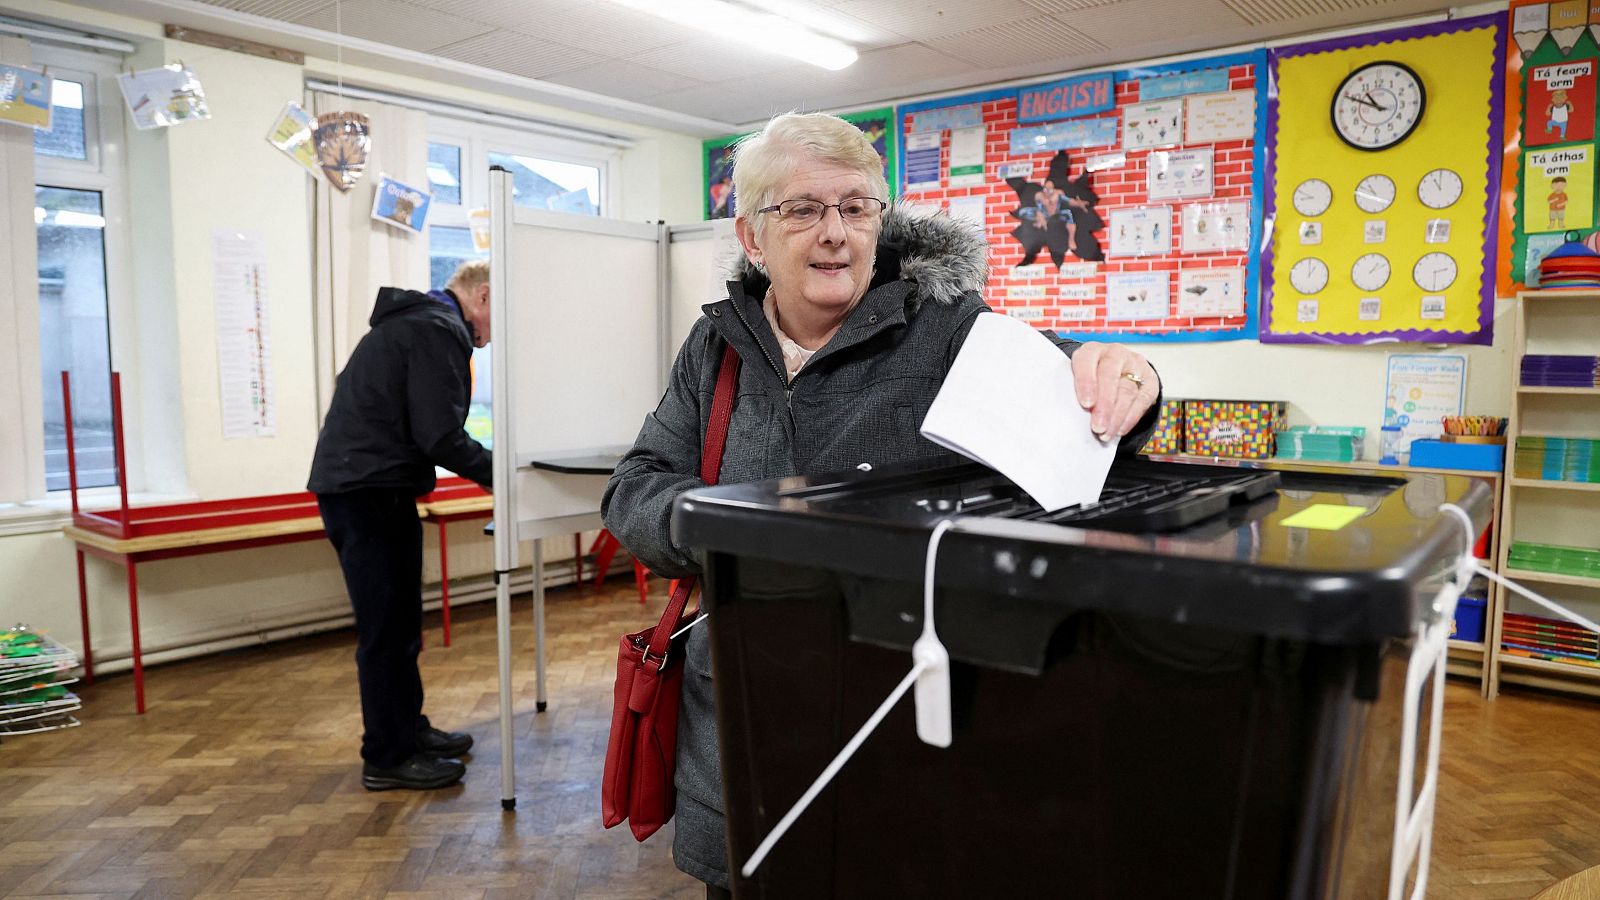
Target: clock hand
(1374, 104)
(1364, 101)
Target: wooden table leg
(83, 615)
(133, 618)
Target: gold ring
(1138, 382)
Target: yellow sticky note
(1325, 516)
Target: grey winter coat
(861, 398)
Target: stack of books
(1534, 557)
(1554, 640)
(1571, 265)
(1322, 443)
(34, 674)
(1557, 459)
(1548, 370)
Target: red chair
(605, 548)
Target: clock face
(1309, 275)
(1370, 272)
(1375, 193)
(1434, 271)
(1439, 189)
(1378, 105)
(1312, 197)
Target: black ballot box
(1169, 694)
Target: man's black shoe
(419, 773)
(434, 742)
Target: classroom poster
(1558, 189)
(1147, 125)
(25, 97)
(244, 333)
(1355, 224)
(1069, 203)
(1420, 390)
(1211, 292)
(1554, 51)
(879, 125)
(1561, 103)
(966, 157)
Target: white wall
(184, 182)
(1328, 385)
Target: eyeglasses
(806, 213)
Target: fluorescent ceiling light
(756, 30)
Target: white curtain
(22, 436)
(356, 254)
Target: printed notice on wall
(244, 347)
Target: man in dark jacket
(398, 410)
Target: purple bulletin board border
(1491, 215)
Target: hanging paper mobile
(342, 141)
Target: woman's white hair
(764, 161)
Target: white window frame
(477, 140)
(105, 171)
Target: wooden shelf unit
(1555, 512)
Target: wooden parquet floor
(243, 779)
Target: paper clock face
(1439, 189)
(1370, 272)
(1434, 271)
(1309, 275)
(1312, 197)
(1378, 105)
(1374, 193)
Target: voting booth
(586, 316)
(1192, 693)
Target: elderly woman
(846, 316)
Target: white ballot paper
(1009, 403)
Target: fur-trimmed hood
(941, 257)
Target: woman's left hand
(1116, 385)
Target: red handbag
(641, 753)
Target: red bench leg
(133, 618)
(577, 558)
(83, 615)
(607, 544)
(444, 577)
(640, 579)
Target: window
(547, 173)
(78, 194)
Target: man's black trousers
(378, 537)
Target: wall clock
(1312, 197)
(1375, 193)
(1309, 275)
(1370, 272)
(1378, 105)
(1434, 271)
(1439, 189)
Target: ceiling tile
(1042, 38)
(284, 10)
(1139, 26)
(918, 20)
(518, 54)
(1257, 12)
(619, 78)
(599, 27)
(1061, 6)
(393, 22)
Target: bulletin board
(1384, 235)
(717, 159)
(1121, 205)
(1551, 66)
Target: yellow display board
(1381, 186)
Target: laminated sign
(342, 140)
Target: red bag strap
(710, 469)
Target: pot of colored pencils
(1474, 430)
